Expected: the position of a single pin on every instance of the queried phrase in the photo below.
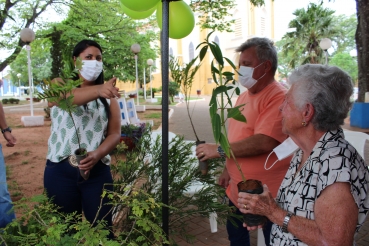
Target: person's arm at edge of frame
(86, 94)
(334, 222)
(11, 140)
(111, 140)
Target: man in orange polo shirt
(252, 142)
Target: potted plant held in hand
(185, 76)
(60, 93)
(221, 109)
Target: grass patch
(154, 115)
(151, 114)
(24, 162)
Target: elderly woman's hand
(262, 204)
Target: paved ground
(179, 123)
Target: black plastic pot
(252, 186)
(80, 155)
(203, 165)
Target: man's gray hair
(328, 89)
(265, 50)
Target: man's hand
(207, 151)
(224, 178)
(10, 138)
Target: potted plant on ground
(131, 133)
(59, 92)
(221, 109)
(132, 95)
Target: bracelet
(8, 129)
(221, 152)
(286, 221)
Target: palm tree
(311, 25)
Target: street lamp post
(136, 48)
(325, 44)
(144, 83)
(27, 35)
(149, 63)
(19, 84)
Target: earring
(303, 123)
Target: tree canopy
(302, 45)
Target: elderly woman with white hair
(323, 198)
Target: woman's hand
(262, 204)
(108, 90)
(89, 162)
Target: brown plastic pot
(203, 165)
(252, 186)
(80, 155)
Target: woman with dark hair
(98, 121)
(323, 198)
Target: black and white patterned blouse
(332, 160)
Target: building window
(191, 51)
(171, 55)
(216, 40)
(262, 26)
(238, 28)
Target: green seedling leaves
(235, 113)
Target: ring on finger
(245, 207)
(202, 154)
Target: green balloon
(139, 5)
(181, 19)
(138, 15)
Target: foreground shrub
(136, 199)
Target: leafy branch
(220, 104)
(185, 77)
(59, 91)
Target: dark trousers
(239, 235)
(72, 193)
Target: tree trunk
(362, 46)
(56, 54)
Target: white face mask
(284, 150)
(246, 78)
(91, 69)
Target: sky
(283, 10)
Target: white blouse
(332, 160)
(91, 123)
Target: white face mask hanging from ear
(284, 150)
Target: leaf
(216, 125)
(217, 53)
(236, 114)
(220, 89)
(203, 52)
(238, 91)
(231, 63)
